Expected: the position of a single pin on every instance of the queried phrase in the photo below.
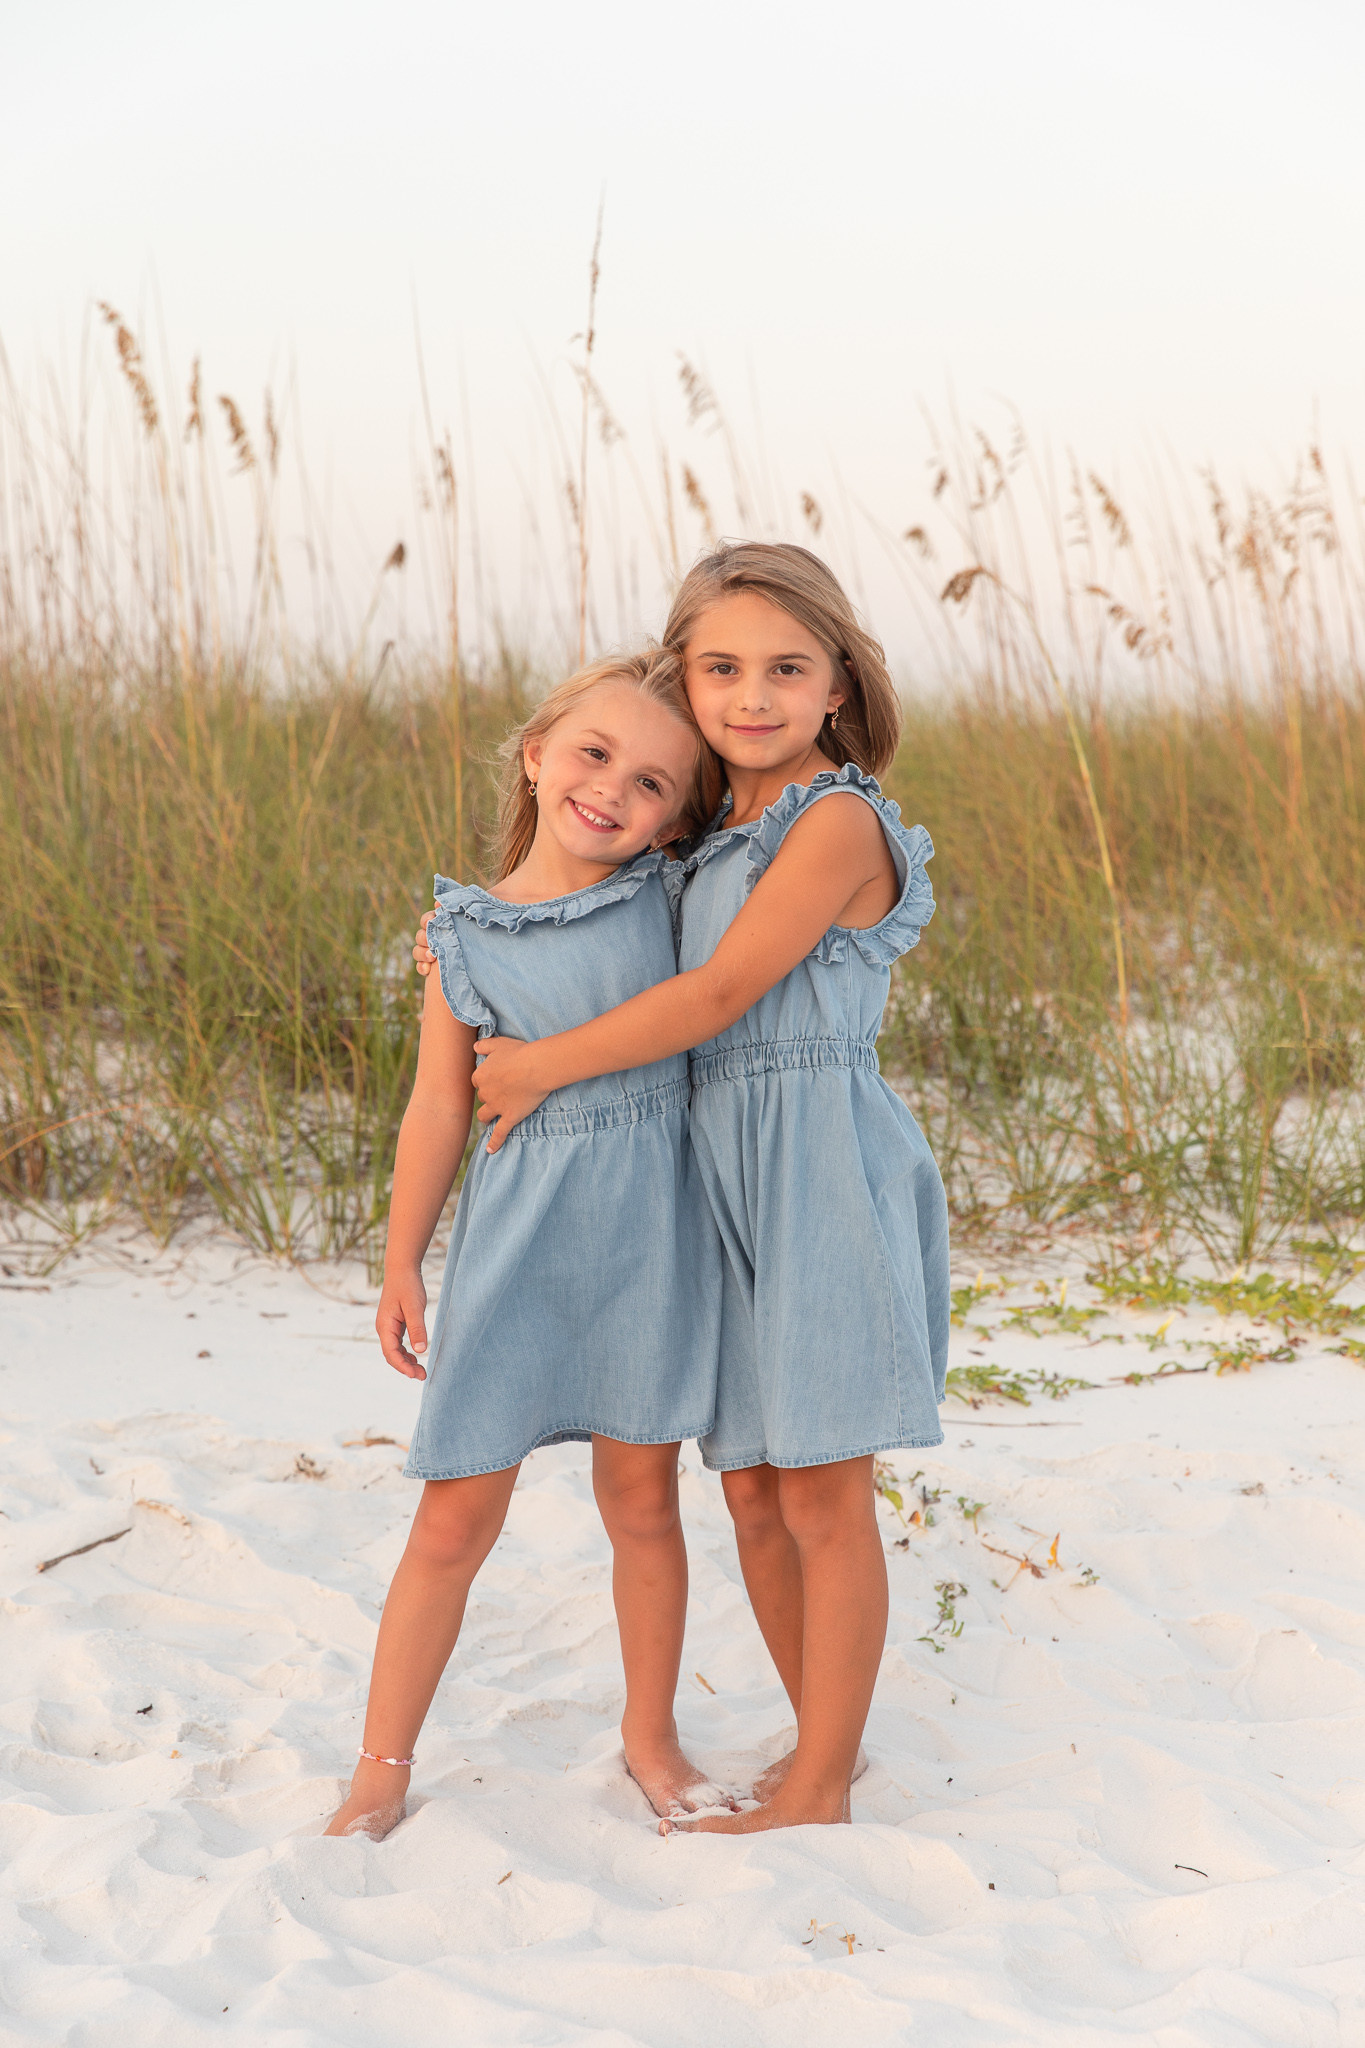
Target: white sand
(1015, 1871)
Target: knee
(640, 1511)
(820, 1506)
(450, 1540)
(752, 1499)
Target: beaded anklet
(370, 1757)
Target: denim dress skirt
(582, 1286)
(834, 1226)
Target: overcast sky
(1142, 224)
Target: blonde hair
(658, 676)
(798, 582)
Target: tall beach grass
(1138, 741)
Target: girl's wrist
(541, 1064)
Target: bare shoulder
(837, 851)
(843, 827)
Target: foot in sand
(671, 1784)
(781, 1811)
(775, 1777)
(375, 1804)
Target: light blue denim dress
(834, 1322)
(582, 1286)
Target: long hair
(658, 676)
(799, 583)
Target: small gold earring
(530, 785)
(834, 717)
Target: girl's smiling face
(611, 775)
(760, 683)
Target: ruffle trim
(455, 900)
(911, 847)
(467, 899)
(462, 998)
(673, 874)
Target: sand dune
(1125, 1803)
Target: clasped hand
(505, 1086)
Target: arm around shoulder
(826, 860)
(831, 860)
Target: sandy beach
(1125, 1803)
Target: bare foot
(775, 1777)
(671, 1784)
(375, 1804)
(781, 1811)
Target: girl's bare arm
(831, 854)
(431, 1144)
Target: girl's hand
(423, 957)
(403, 1306)
(506, 1085)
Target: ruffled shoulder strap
(910, 848)
(673, 875)
(443, 937)
(706, 845)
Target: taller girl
(831, 1209)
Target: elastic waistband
(581, 1119)
(781, 1056)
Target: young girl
(581, 1289)
(830, 1207)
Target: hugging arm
(431, 1142)
(829, 855)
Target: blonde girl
(581, 1288)
(829, 1205)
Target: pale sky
(1141, 224)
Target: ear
(670, 835)
(532, 754)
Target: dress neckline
(486, 909)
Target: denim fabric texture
(831, 1211)
(582, 1290)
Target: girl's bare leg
(637, 1493)
(771, 1564)
(456, 1525)
(830, 1513)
